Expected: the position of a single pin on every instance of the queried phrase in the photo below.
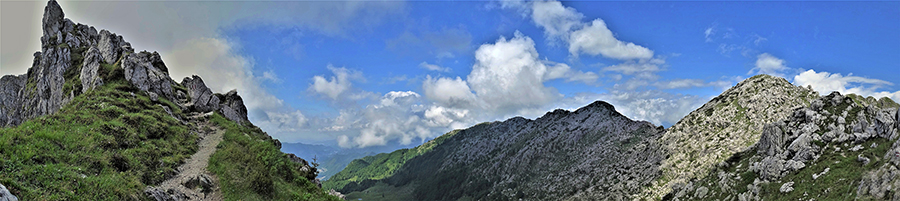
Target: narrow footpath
(193, 181)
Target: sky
(395, 73)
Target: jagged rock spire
(53, 18)
(68, 47)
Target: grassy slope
(104, 145)
(250, 167)
(108, 144)
(377, 167)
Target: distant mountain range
(763, 139)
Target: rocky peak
(53, 19)
(727, 124)
(834, 139)
(71, 61)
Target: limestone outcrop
(76, 58)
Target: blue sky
(367, 73)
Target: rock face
(71, 61)
(833, 140)
(111, 46)
(10, 104)
(147, 72)
(727, 124)
(232, 107)
(90, 75)
(5, 195)
(593, 152)
(202, 98)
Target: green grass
(841, 180)
(250, 167)
(104, 145)
(383, 192)
(361, 173)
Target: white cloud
(437, 116)
(558, 21)
(768, 64)
(759, 39)
(564, 24)
(825, 82)
(337, 84)
(637, 67)
(448, 91)
(433, 67)
(597, 39)
(682, 83)
(710, 31)
(270, 75)
(657, 107)
(508, 74)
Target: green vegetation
(250, 167)
(112, 142)
(383, 192)
(362, 173)
(841, 180)
(73, 73)
(104, 145)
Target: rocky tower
(729, 123)
(70, 62)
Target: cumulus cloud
(508, 74)
(597, 39)
(335, 85)
(562, 23)
(558, 21)
(768, 64)
(825, 82)
(448, 91)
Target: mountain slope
(591, 152)
(94, 120)
(835, 149)
(723, 126)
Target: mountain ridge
(478, 165)
(482, 155)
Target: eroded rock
(232, 107)
(146, 72)
(90, 76)
(202, 98)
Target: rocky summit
(727, 124)
(837, 148)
